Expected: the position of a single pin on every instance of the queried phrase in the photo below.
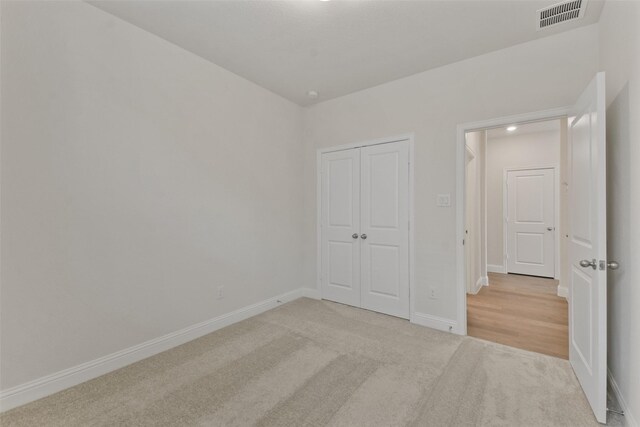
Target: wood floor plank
(520, 311)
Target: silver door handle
(550, 228)
(586, 263)
(363, 236)
(613, 265)
(354, 235)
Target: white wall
(136, 179)
(546, 73)
(520, 150)
(620, 59)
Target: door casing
(409, 137)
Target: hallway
(520, 311)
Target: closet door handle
(585, 263)
(363, 236)
(354, 235)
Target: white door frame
(556, 212)
(462, 129)
(409, 137)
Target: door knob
(586, 263)
(613, 265)
(354, 235)
(363, 236)
(550, 228)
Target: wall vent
(561, 12)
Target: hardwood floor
(520, 311)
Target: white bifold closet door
(365, 227)
(340, 224)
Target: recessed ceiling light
(312, 93)
(511, 128)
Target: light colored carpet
(318, 363)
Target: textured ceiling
(337, 47)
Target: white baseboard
(310, 293)
(44, 386)
(482, 281)
(435, 322)
(478, 285)
(563, 291)
(491, 268)
(629, 419)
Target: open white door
(587, 246)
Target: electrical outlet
(432, 293)
(220, 292)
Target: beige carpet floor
(317, 363)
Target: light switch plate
(443, 200)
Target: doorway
(365, 210)
(512, 228)
(584, 264)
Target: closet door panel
(384, 238)
(340, 222)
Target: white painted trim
(484, 281)
(629, 418)
(319, 152)
(412, 227)
(492, 268)
(461, 130)
(485, 213)
(58, 381)
(563, 291)
(310, 293)
(556, 213)
(435, 322)
(386, 140)
(318, 222)
(479, 284)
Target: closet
(364, 227)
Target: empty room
(319, 212)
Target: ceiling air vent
(561, 12)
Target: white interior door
(587, 245)
(385, 228)
(531, 222)
(340, 223)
